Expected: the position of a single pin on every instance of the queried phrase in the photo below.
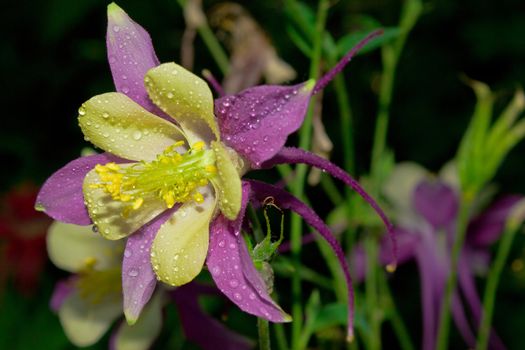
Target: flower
(426, 210)
(22, 238)
(171, 177)
(90, 301)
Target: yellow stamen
(172, 177)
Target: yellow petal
(117, 124)
(142, 334)
(181, 245)
(228, 182)
(71, 247)
(113, 218)
(185, 97)
(85, 323)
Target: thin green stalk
(212, 44)
(461, 229)
(492, 284)
(264, 334)
(280, 336)
(393, 315)
(371, 293)
(347, 124)
(305, 136)
(328, 185)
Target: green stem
(492, 285)
(371, 296)
(264, 334)
(280, 336)
(212, 44)
(305, 136)
(394, 317)
(461, 229)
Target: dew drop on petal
(116, 29)
(133, 272)
(127, 253)
(137, 135)
(234, 283)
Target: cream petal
(227, 182)
(185, 97)
(108, 214)
(399, 188)
(117, 124)
(70, 247)
(85, 323)
(142, 334)
(181, 245)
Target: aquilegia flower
(171, 177)
(426, 211)
(90, 301)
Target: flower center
(172, 177)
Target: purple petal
(458, 313)
(436, 202)
(138, 277)
(428, 289)
(290, 155)
(202, 329)
(257, 121)
(62, 290)
(321, 84)
(61, 195)
(285, 200)
(468, 289)
(488, 227)
(130, 56)
(233, 271)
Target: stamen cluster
(173, 177)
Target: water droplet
(125, 89)
(133, 272)
(237, 296)
(234, 283)
(137, 135)
(252, 296)
(94, 228)
(169, 95)
(216, 270)
(176, 257)
(221, 244)
(116, 29)
(127, 253)
(82, 110)
(105, 115)
(232, 246)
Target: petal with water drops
(116, 124)
(181, 244)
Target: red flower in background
(22, 238)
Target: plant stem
(305, 136)
(280, 336)
(371, 296)
(393, 315)
(212, 44)
(492, 284)
(461, 229)
(264, 334)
